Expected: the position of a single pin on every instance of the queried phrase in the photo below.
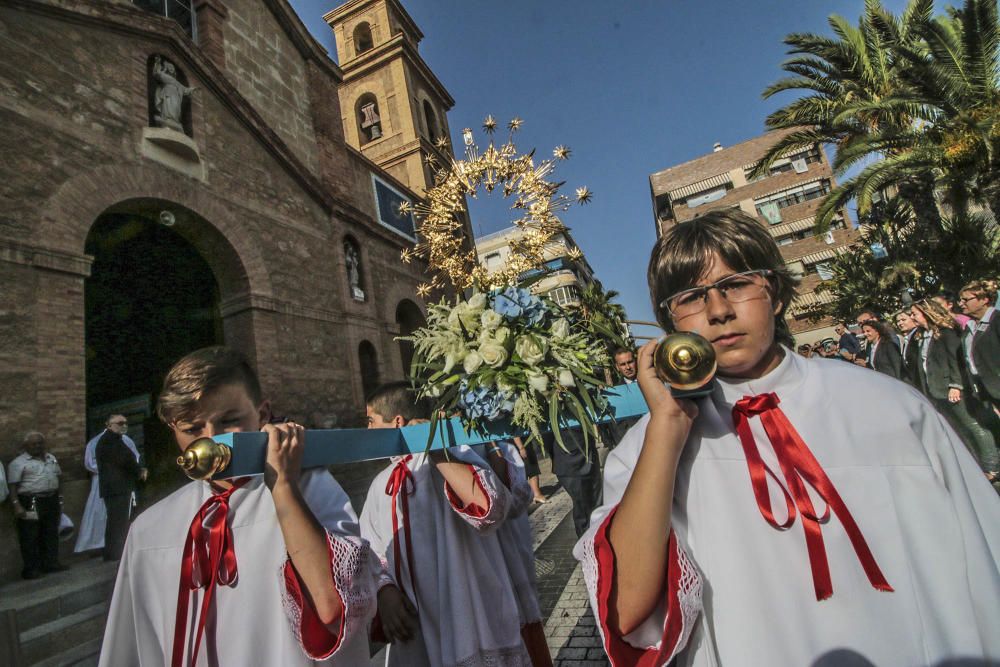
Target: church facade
(181, 180)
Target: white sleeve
(665, 633)
(90, 455)
(121, 633)
(373, 529)
(350, 562)
(976, 511)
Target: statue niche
(352, 258)
(170, 96)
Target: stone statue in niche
(353, 271)
(168, 99)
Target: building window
(430, 119)
(368, 361)
(824, 271)
(387, 202)
(786, 240)
(793, 196)
(180, 11)
(707, 197)
(369, 122)
(564, 296)
(798, 163)
(363, 38)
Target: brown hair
(398, 398)
(884, 332)
(681, 257)
(937, 316)
(984, 289)
(200, 372)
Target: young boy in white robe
(265, 570)
(771, 523)
(445, 598)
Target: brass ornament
(203, 458)
(685, 361)
(442, 240)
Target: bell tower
(393, 107)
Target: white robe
(257, 621)
(515, 537)
(465, 601)
(741, 592)
(95, 514)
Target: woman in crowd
(910, 347)
(941, 359)
(884, 356)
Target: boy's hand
(285, 444)
(399, 618)
(661, 402)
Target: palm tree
(851, 82)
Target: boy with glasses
(695, 555)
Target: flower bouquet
(508, 354)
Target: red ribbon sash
(799, 466)
(209, 557)
(401, 485)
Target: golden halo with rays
(442, 236)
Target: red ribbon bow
(798, 466)
(402, 485)
(209, 557)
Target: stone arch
(363, 38)
(67, 217)
(368, 117)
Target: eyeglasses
(966, 299)
(736, 288)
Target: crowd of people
(947, 348)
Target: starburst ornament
(443, 241)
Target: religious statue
(353, 270)
(168, 100)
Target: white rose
(490, 319)
(501, 335)
(493, 354)
(477, 301)
(473, 360)
(455, 315)
(537, 381)
(566, 378)
(531, 348)
(560, 328)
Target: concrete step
(41, 601)
(82, 655)
(48, 640)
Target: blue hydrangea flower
(515, 303)
(484, 403)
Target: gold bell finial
(203, 458)
(685, 361)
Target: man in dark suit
(118, 472)
(578, 471)
(978, 301)
(912, 363)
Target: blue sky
(631, 87)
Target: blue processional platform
(351, 445)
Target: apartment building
(567, 271)
(784, 201)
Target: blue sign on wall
(387, 200)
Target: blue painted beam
(350, 445)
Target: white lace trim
(516, 656)
(353, 579)
(497, 497)
(689, 588)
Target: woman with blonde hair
(943, 382)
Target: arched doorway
(409, 319)
(151, 298)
